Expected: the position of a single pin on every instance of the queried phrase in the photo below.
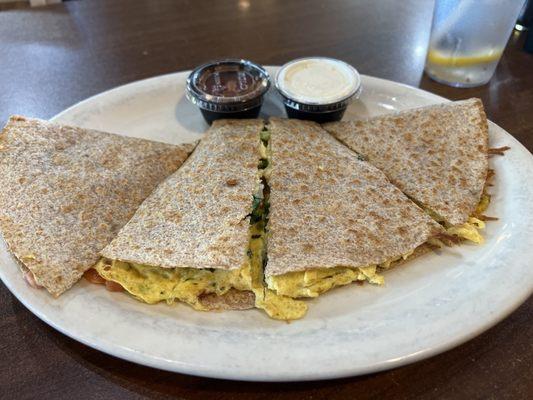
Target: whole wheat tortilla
(197, 217)
(67, 191)
(328, 208)
(233, 299)
(437, 155)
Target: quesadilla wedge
(437, 155)
(333, 218)
(199, 238)
(67, 191)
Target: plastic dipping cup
(468, 38)
(228, 88)
(317, 88)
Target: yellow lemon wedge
(436, 57)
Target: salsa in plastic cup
(229, 88)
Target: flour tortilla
(328, 208)
(67, 191)
(437, 155)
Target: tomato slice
(113, 286)
(93, 276)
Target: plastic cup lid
(318, 80)
(227, 81)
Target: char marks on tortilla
(328, 208)
(437, 155)
(197, 218)
(67, 191)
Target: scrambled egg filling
(155, 284)
(470, 229)
(276, 305)
(314, 282)
(277, 295)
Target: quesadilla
(199, 238)
(67, 191)
(332, 218)
(436, 155)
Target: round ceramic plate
(427, 306)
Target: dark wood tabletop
(55, 56)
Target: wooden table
(55, 56)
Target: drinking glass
(468, 38)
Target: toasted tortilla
(436, 155)
(197, 217)
(232, 300)
(328, 208)
(67, 191)
(200, 220)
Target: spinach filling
(275, 305)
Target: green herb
(266, 207)
(265, 136)
(256, 202)
(256, 216)
(257, 210)
(263, 163)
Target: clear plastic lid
(227, 83)
(318, 81)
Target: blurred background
(65, 51)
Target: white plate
(428, 306)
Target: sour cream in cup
(317, 88)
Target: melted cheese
(469, 230)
